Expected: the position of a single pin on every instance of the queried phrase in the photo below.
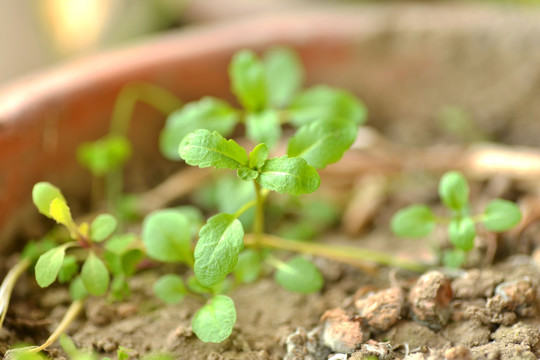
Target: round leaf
(454, 191)
(77, 291)
(49, 264)
(102, 227)
(284, 75)
(258, 156)
(501, 215)
(215, 320)
(43, 195)
(299, 275)
(170, 289)
(95, 275)
(248, 80)
(462, 233)
(413, 221)
(167, 236)
(247, 174)
(104, 155)
(289, 175)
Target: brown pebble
(381, 310)
(430, 299)
(342, 333)
(459, 352)
(517, 295)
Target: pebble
(518, 295)
(430, 299)
(459, 352)
(380, 350)
(342, 333)
(381, 310)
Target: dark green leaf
(263, 127)
(204, 148)
(454, 191)
(49, 264)
(247, 174)
(288, 175)
(77, 291)
(69, 269)
(208, 113)
(104, 155)
(258, 156)
(248, 268)
(462, 233)
(299, 275)
(284, 75)
(95, 275)
(248, 80)
(102, 227)
(170, 289)
(501, 215)
(323, 142)
(215, 320)
(167, 236)
(43, 195)
(216, 253)
(130, 260)
(323, 102)
(413, 221)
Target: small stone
(341, 333)
(381, 350)
(382, 309)
(459, 352)
(518, 295)
(430, 299)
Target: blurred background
(40, 33)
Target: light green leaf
(208, 113)
(102, 227)
(247, 174)
(77, 291)
(258, 156)
(119, 244)
(248, 80)
(43, 195)
(323, 142)
(299, 275)
(104, 155)
(462, 233)
(216, 253)
(249, 266)
(454, 191)
(284, 75)
(263, 127)
(49, 264)
(454, 258)
(501, 215)
(204, 148)
(196, 287)
(323, 102)
(413, 221)
(170, 289)
(289, 175)
(193, 215)
(215, 320)
(167, 236)
(69, 269)
(95, 275)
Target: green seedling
(419, 220)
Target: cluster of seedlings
(319, 124)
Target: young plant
(419, 220)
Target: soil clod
(430, 299)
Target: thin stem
(244, 208)
(8, 284)
(336, 252)
(258, 226)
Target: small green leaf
(59, 211)
(130, 260)
(119, 244)
(263, 127)
(215, 320)
(170, 289)
(34, 249)
(289, 175)
(323, 142)
(299, 275)
(216, 253)
(247, 174)
(413, 221)
(284, 75)
(77, 291)
(249, 266)
(323, 102)
(258, 156)
(204, 148)
(43, 195)
(501, 215)
(193, 215)
(208, 113)
(454, 258)
(69, 269)
(102, 227)
(248, 80)
(454, 191)
(68, 346)
(462, 233)
(167, 236)
(49, 264)
(194, 286)
(104, 155)
(95, 275)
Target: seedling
(419, 220)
